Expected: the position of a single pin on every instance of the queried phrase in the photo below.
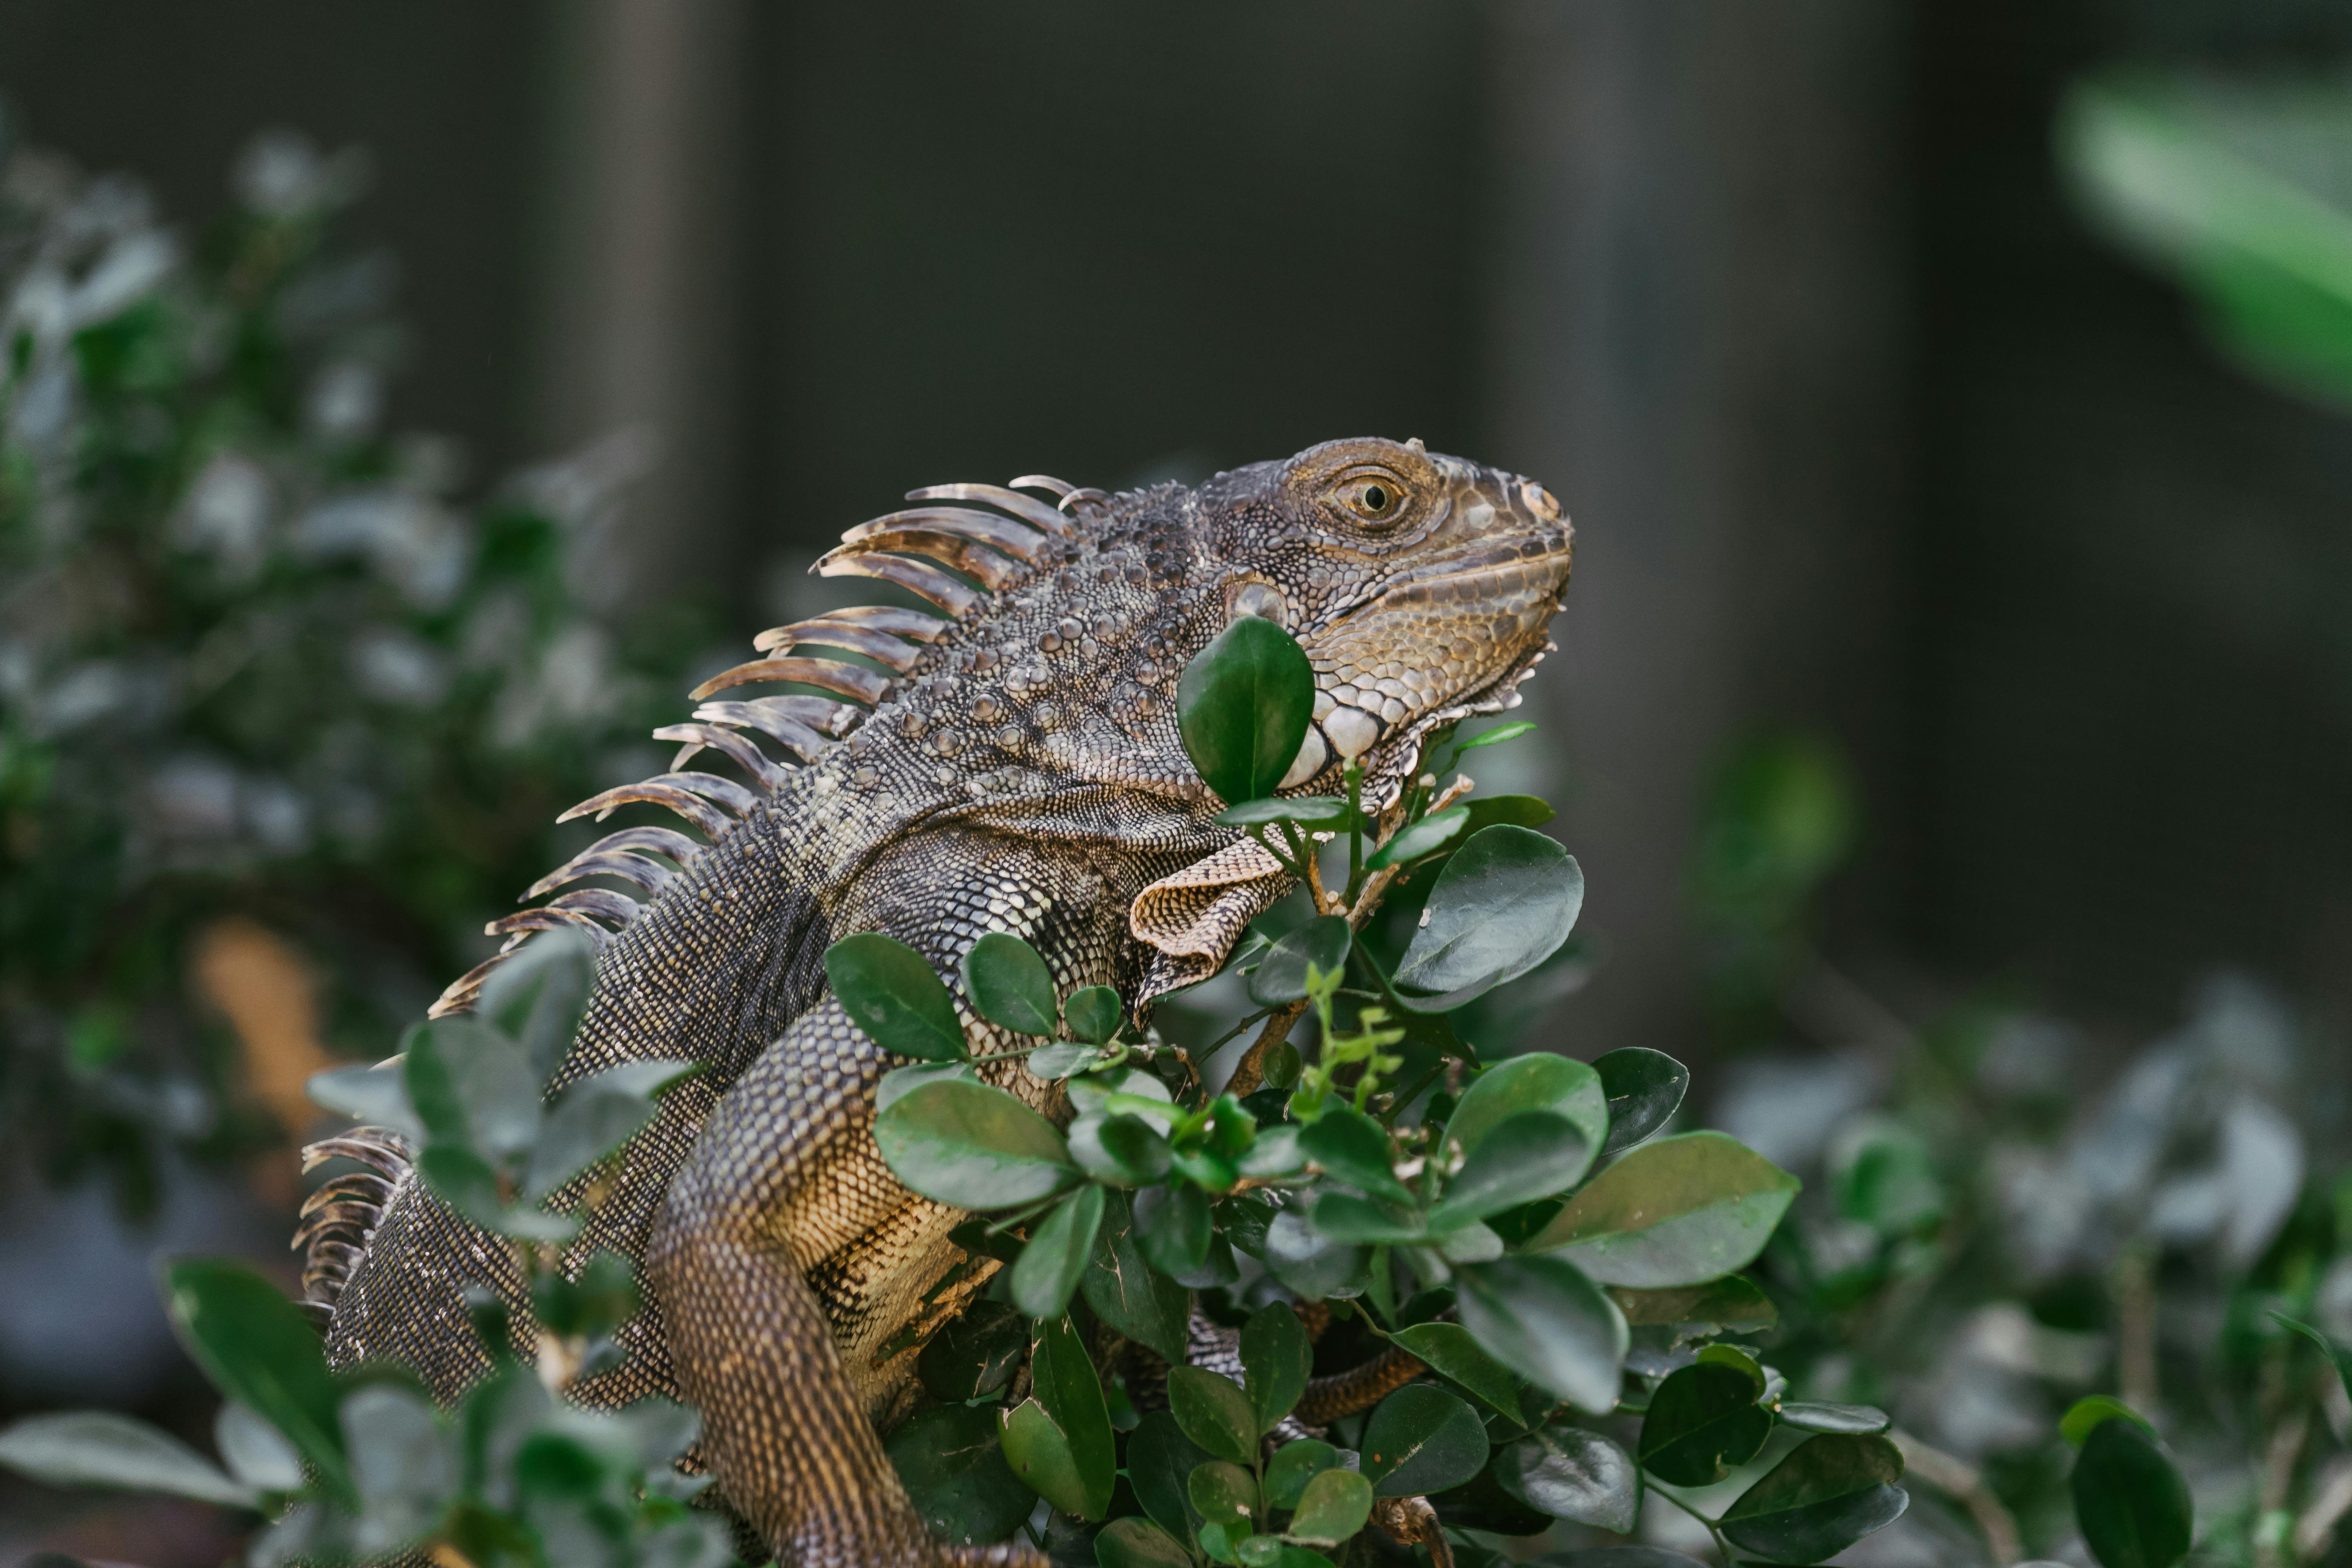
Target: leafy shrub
(255, 657)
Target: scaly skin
(1024, 773)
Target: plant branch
(1965, 1485)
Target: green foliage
(1244, 706)
(296, 677)
(2131, 1501)
(344, 1465)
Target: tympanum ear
(1192, 918)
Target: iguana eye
(1371, 498)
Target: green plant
(360, 1464)
(257, 658)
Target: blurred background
(1950, 399)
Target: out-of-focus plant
(361, 1466)
(2242, 190)
(256, 659)
(2007, 1237)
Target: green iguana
(1014, 767)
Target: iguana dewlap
(1017, 768)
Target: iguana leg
(784, 1175)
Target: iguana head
(1420, 585)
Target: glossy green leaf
(1421, 1439)
(900, 1082)
(1159, 1459)
(1531, 1155)
(537, 996)
(595, 1117)
(1276, 1361)
(1214, 1413)
(1175, 1226)
(1061, 1059)
(1009, 984)
(1545, 1320)
(2129, 1500)
(973, 1146)
(1043, 1459)
(892, 992)
(1047, 1274)
(2088, 1412)
(1344, 1217)
(1222, 1493)
(1821, 1500)
(1702, 1421)
(1678, 1210)
(1219, 1542)
(1733, 1304)
(1274, 1153)
(101, 1449)
(1354, 1148)
(1134, 1148)
(1129, 1295)
(1512, 810)
(1335, 1505)
(952, 1464)
(1645, 1089)
(1281, 975)
(1736, 1358)
(1293, 1466)
(259, 1350)
(1503, 904)
(1314, 1267)
(1448, 1349)
(2338, 1356)
(1536, 1081)
(1139, 1543)
(1437, 831)
(975, 1354)
(1861, 1420)
(1066, 1383)
(1242, 706)
(1569, 1472)
(1093, 1013)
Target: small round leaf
(1421, 1439)
(892, 992)
(1009, 984)
(1243, 707)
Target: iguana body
(1022, 772)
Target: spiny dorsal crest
(915, 550)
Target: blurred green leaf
(1703, 1422)
(473, 1087)
(1546, 1320)
(1317, 813)
(256, 1452)
(2087, 1412)
(1140, 1543)
(1355, 1149)
(1570, 1473)
(1009, 984)
(402, 1460)
(1733, 1303)
(537, 996)
(1421, 1439)
(973, 1146)
(1498, 734)
(1312, 1265)
(1281, 975)
(1678, 1210)
(1242, 708)
(101, 1449)
(1821, 1500)
(953, 1467)
(1175, 1226)
(259, 1350)
(892, 992)
(1858, 1420)
(2338, 1356)
(595, 1117)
